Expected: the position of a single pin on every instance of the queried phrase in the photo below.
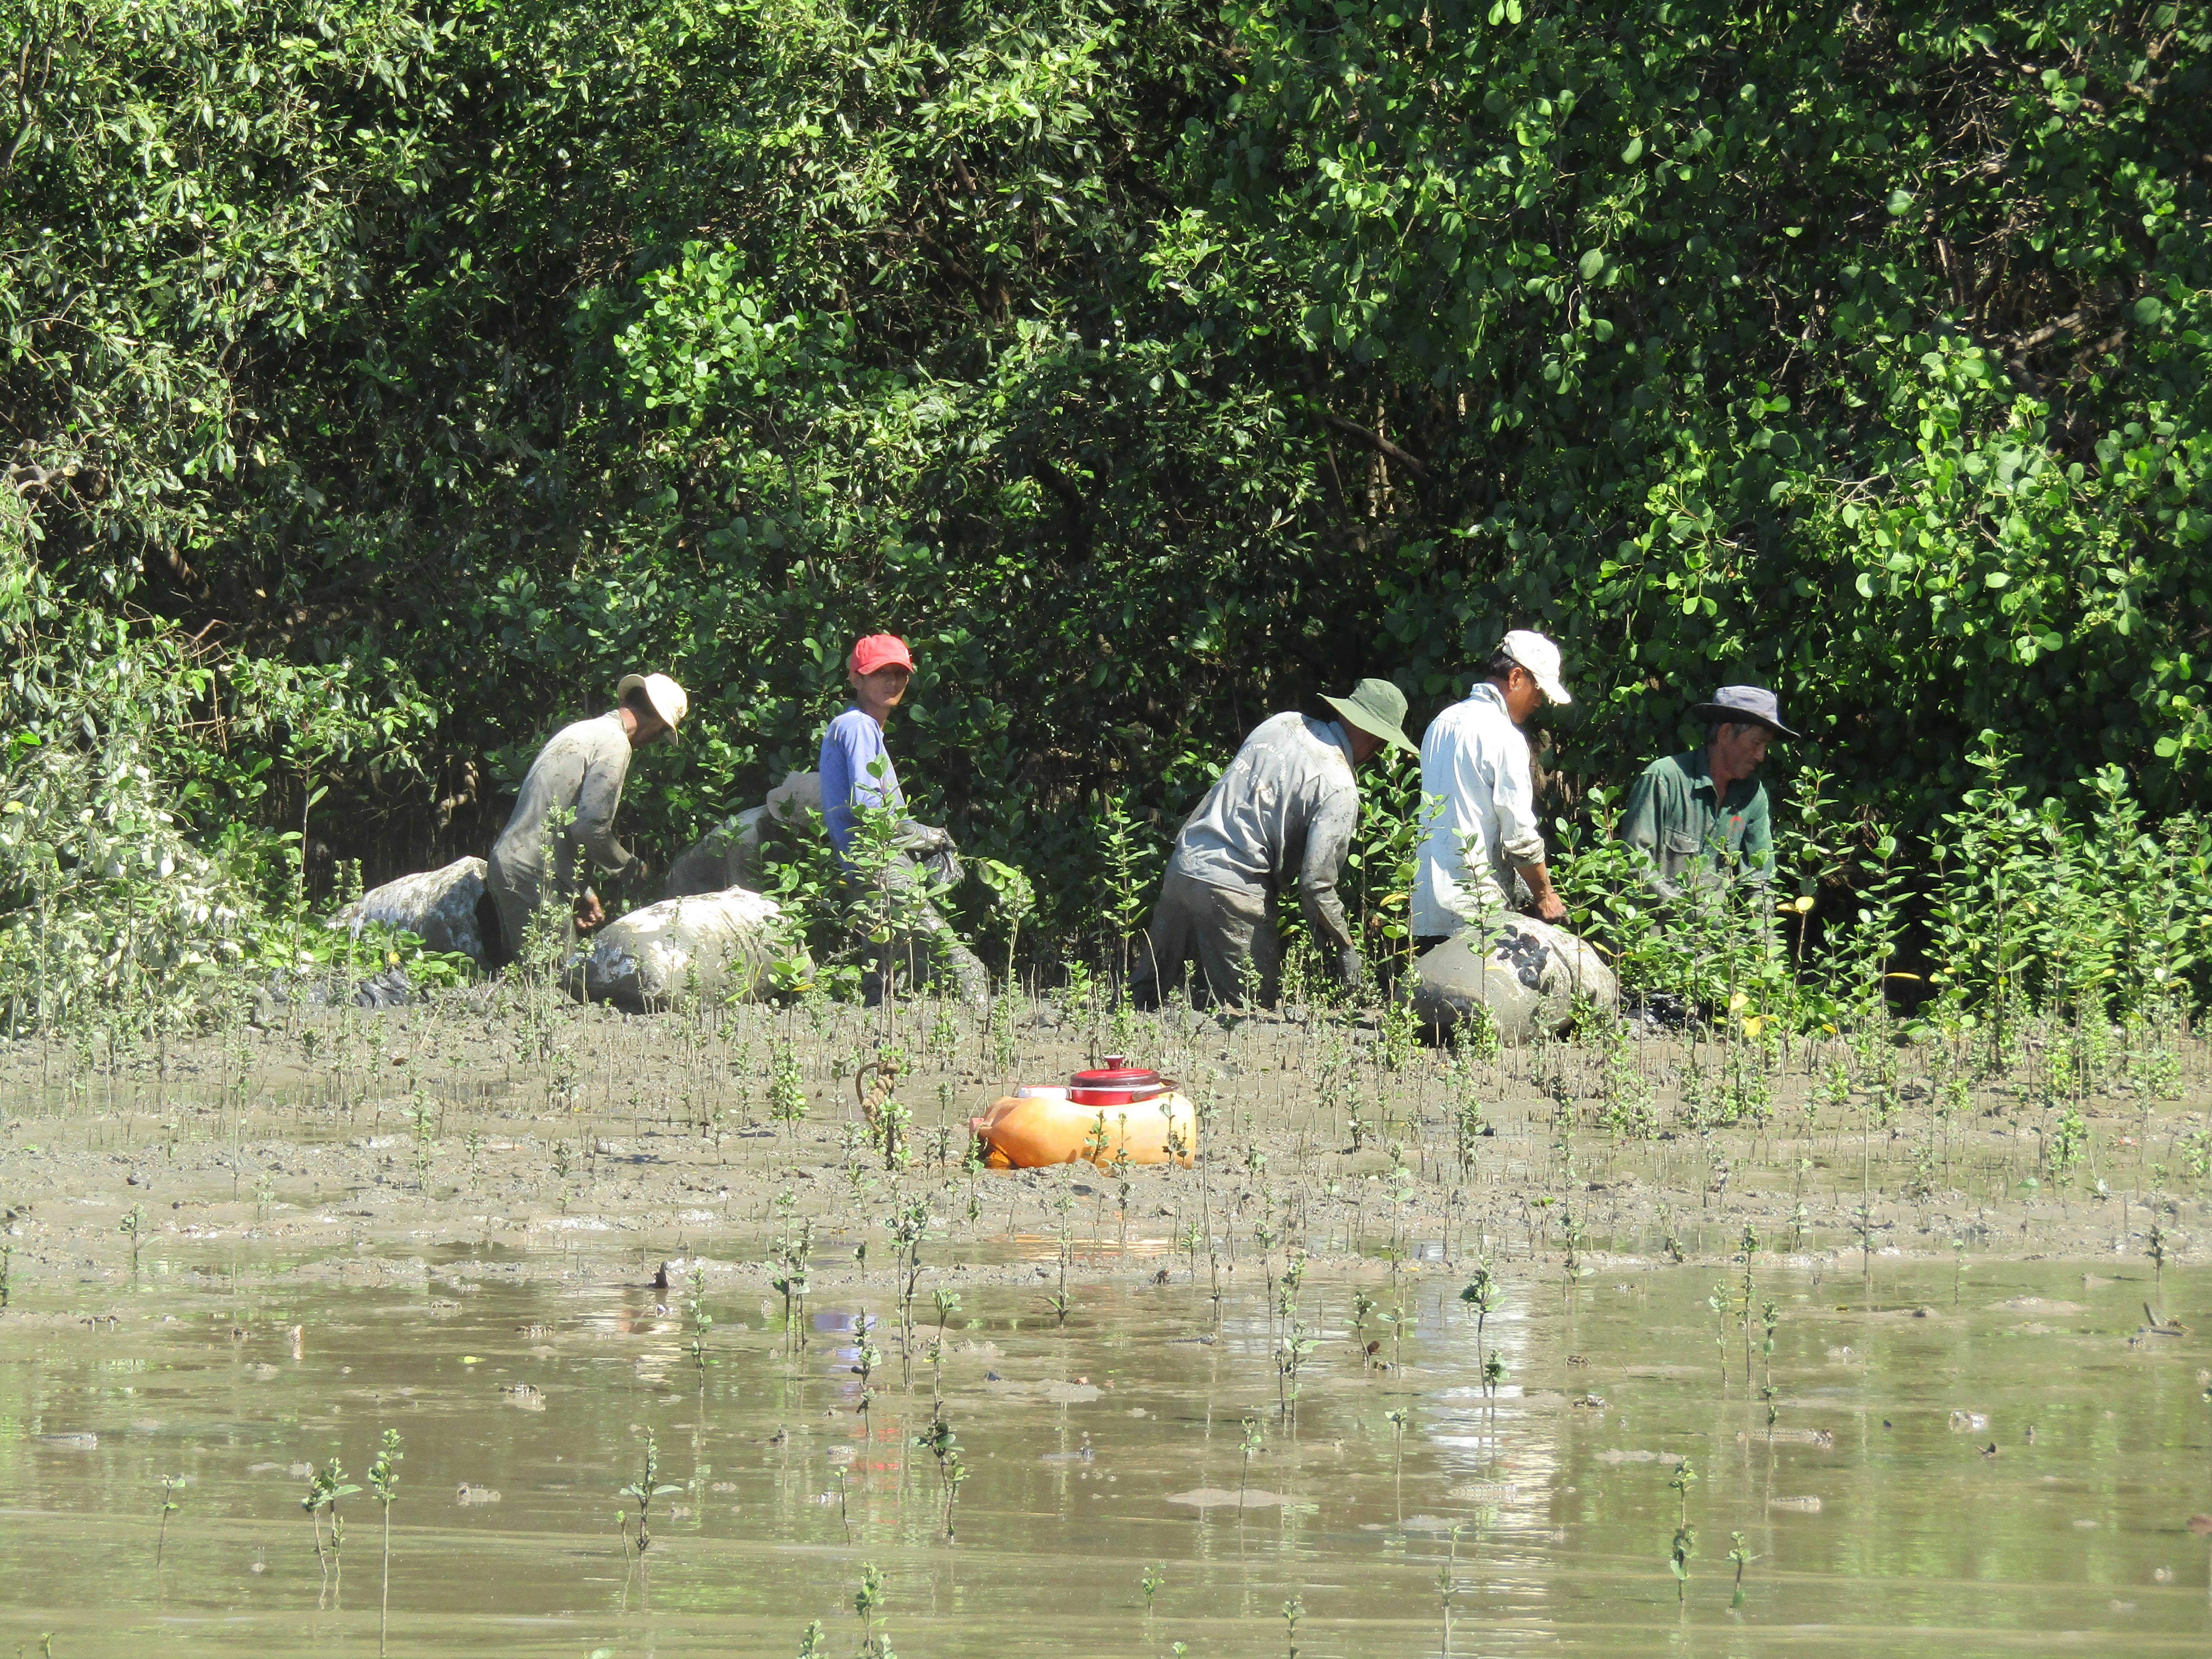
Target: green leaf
(1632, 150)
(1590, 263)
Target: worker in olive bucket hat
(1703, 816)
(564, 815)
(1287, 805)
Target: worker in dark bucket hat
(1288, 805)
(1703, 816)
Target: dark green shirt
(1675, 814)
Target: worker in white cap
(1482, 828)
(565, 813)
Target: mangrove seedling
(384, 1483)
(647, 1488)
(938, 1439)
(133, 1227)
(1155, 1580)
(786, 1087)
(1293, 1610)
(868, 1356)
(1252, 1443)
(868, 1603)
(1741, 1555)
(169, 1483)
(702, 1321)
(948, 1304)
(1481, 1295)
(325, 1487)
(1686, 1535)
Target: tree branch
(1375, 441)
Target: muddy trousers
(1230, 931)
(926, 954)
(516, 895)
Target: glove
(923, 839)
(1350, 970)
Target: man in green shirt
(1702, 817)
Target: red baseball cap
(881, 651)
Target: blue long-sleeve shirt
(849, 747)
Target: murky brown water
(1877, 1518)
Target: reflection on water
(2015, 1470)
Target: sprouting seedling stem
(868, 1603)
(1251, 1444)
(1686, 1535)
(644, 1489)
(169, 1483)
(384, 1482)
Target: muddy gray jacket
(1287, 805)
(579, 771)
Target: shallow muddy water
(2005, 1464)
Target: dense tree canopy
(400, 372)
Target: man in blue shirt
(856, 769)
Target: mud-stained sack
(727, 856)
(715, 946)
(733, 854)
(439, 907)
(1527, 972)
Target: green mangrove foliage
(382, 379)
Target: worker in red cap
(879, 671)
(856, 770)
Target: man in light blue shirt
(856, 770)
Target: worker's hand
(589, 914)
(1551, 907)
(1350, 970)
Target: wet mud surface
(495, 1228)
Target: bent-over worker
(576, 779)
(1287, 805)
(1704, 815)
(1482, 831)
(856, 771)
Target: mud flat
(1950, 1392)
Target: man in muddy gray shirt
(1287, 805)
(565, 812)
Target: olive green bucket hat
(1378, 709)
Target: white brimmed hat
(665, 696)
(1540, 658)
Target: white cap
(667, 697)
(1540, 658)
